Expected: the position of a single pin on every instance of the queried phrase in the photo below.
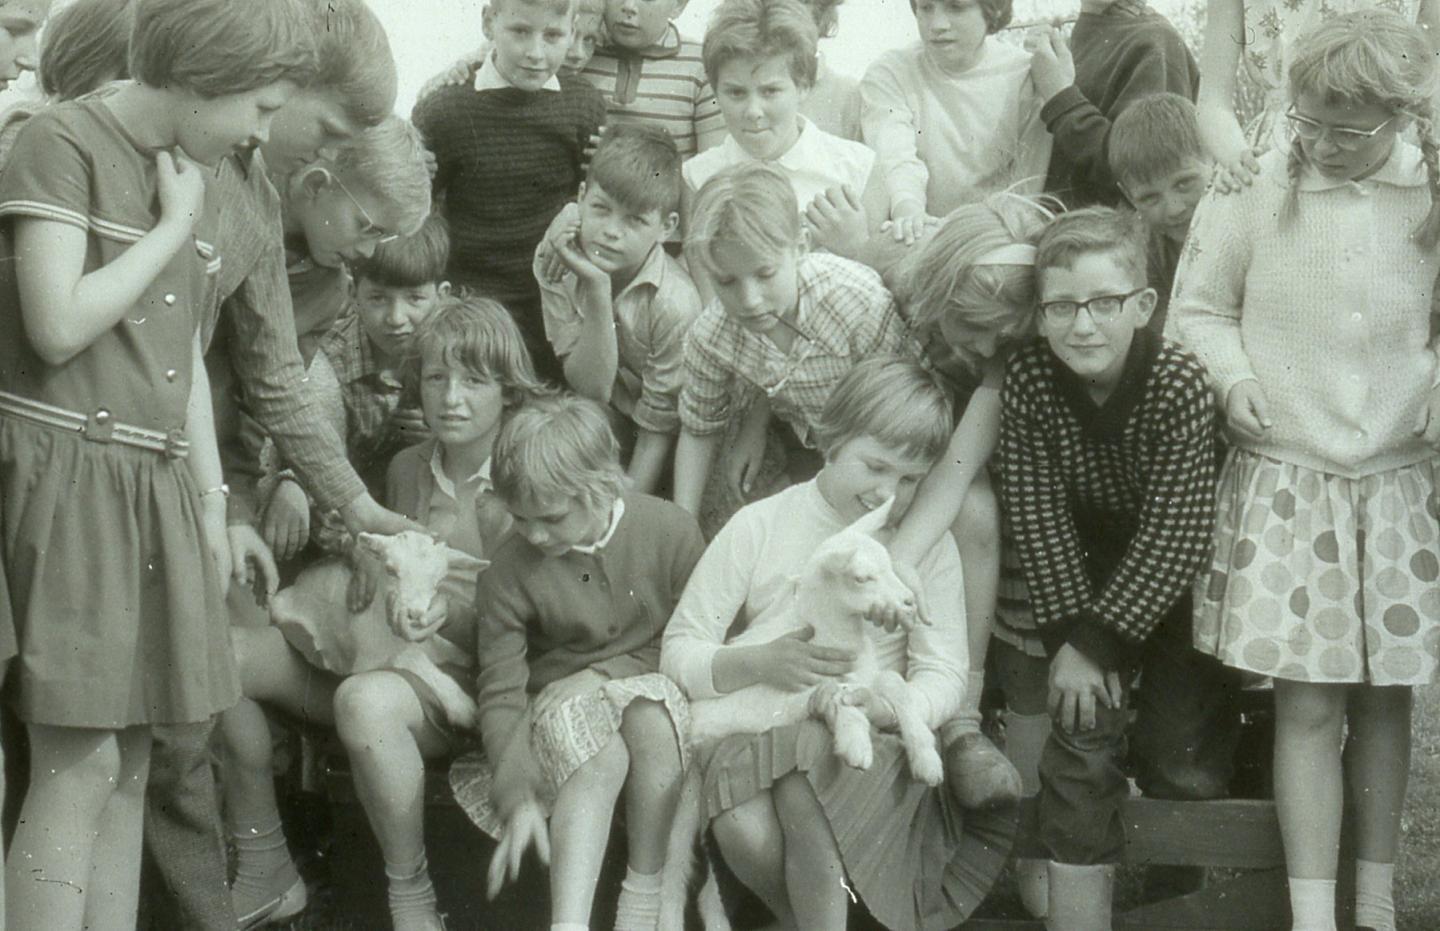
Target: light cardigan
(749, 569)
(941, 138)
(1330, 312)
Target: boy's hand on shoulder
(560, 691)
(1076, 683)
(462, 71)
(1247, 410)
(1051, 64)
(1237, 171)
(182, 189)
(285, 527)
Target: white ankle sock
(263, 868)
(410, 892)
(639, 905)
(1312, 904)
(569, 926)
(1374, 895)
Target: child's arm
(890, 128)
(647, 460)
(1219, 127)
(63, 308)
(704, 410)
(502, 610)
(941, 495)
(204, 463)
(710, 128)
(694, 455)
(747, 456)
(590, 349)
(671, 314)
(938, 653)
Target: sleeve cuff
(1062, 103)
(1091, 637)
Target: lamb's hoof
(925, 766)
(855, 751)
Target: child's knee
(1309, 709)
(795, 803)
(370, 703)
(648, 731)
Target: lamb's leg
(850, 727)
(915, 734)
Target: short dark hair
(410, 261)
(1154, 136)
(639, 166)
(762, 29)
(86, 44)
(997, 13)
(1092, 230)
(215, 48)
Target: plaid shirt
(257, 344)
(1112, 508)
(845, 315)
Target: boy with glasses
(1107, 480)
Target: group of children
(249, 314)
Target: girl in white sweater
(1308, 297)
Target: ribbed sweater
(1330, 312)
(507, 161)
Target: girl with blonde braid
(1308, 297)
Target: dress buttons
(102, 416)
(169, 300)
(1357, 316)
(170, 374)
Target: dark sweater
(507, 161)
(1122, 54)
(1111, 508)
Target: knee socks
(639, 906)
(411, 894)
(1374, 895)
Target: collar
(651, 271)
(481, 478)
(617, 511)
(668, 46)
(1108, 419)
(489, 78)
(1404, 167)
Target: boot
(1025, 737)
(1080, 897)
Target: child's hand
(525, 827)
(285, 527)
(885, 615)
(839, 221)
(182, 190)
(254, 564)
(592, 144)
(409, 424)
(1248, 410)
(1051, 64)
(435, 617)
(1076, 684)
(561, 690)
(217, 537)
(791, 662)
(1427, 425)
(360, 591)
(907, 223)
(461, 71)
(1237, 171)
(746, 458)
(565, 246)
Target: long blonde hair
(1370, 58)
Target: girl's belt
(99, 426)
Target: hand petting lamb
(396, 628)
(846, 577)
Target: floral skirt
(564, 739)
(1320, 578)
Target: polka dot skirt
(1319, 578)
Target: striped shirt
(845, 314)
(256, 344)
(1111, 508)
(663, 84)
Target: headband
(1016, 253)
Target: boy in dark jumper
(1120, 50)
(508, 149)
(1107, 479)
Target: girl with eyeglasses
(1308, 297)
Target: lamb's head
(855, 568)
(412, 565)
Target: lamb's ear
(466, 565)
(875, 521)
(370, 544)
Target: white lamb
(843, 580)
(412, 566)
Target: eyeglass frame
(372, 229)
(1342, 137)
(1043, 308)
